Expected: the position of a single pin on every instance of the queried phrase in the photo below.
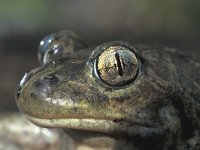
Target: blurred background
(173, 23)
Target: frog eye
(44, 45)
(59, 45)
(117, 64)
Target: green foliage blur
(176, 19)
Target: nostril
(43, 86)
(45, 81)
(51, 79)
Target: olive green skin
(160, 109)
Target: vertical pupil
(119, 66)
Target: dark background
(173, 23)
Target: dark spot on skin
(198, 114)
(130, 123)
(153, 142)
(195, 96)
(117, 120)
(79, 44)
(115, 65)
(186, 123)
(37, 83)
(33, 95)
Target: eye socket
(59, 45)
(116, 64)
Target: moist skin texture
(158, 109)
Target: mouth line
(91, 119)
(99, 125)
